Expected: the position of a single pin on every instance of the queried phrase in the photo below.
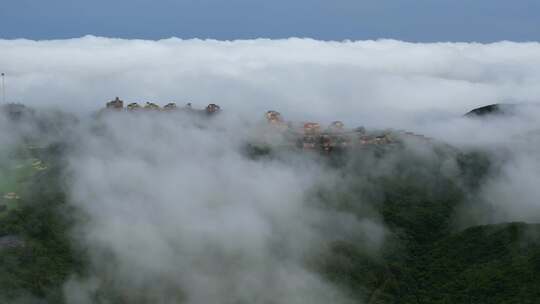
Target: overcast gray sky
(411, 20)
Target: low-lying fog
(177, 212)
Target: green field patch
(14, 178)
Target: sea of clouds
(177, 212)
(384, 83)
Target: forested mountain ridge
(422, 256)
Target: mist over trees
(153, 207)
(191, 217)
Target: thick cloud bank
(376, 83)
(178, 213)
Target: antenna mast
(3, 88)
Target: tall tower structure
(3, 75)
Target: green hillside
(36, 256)
(425, 260)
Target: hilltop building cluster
(118, 105)
(311, 136)
(307, 136)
